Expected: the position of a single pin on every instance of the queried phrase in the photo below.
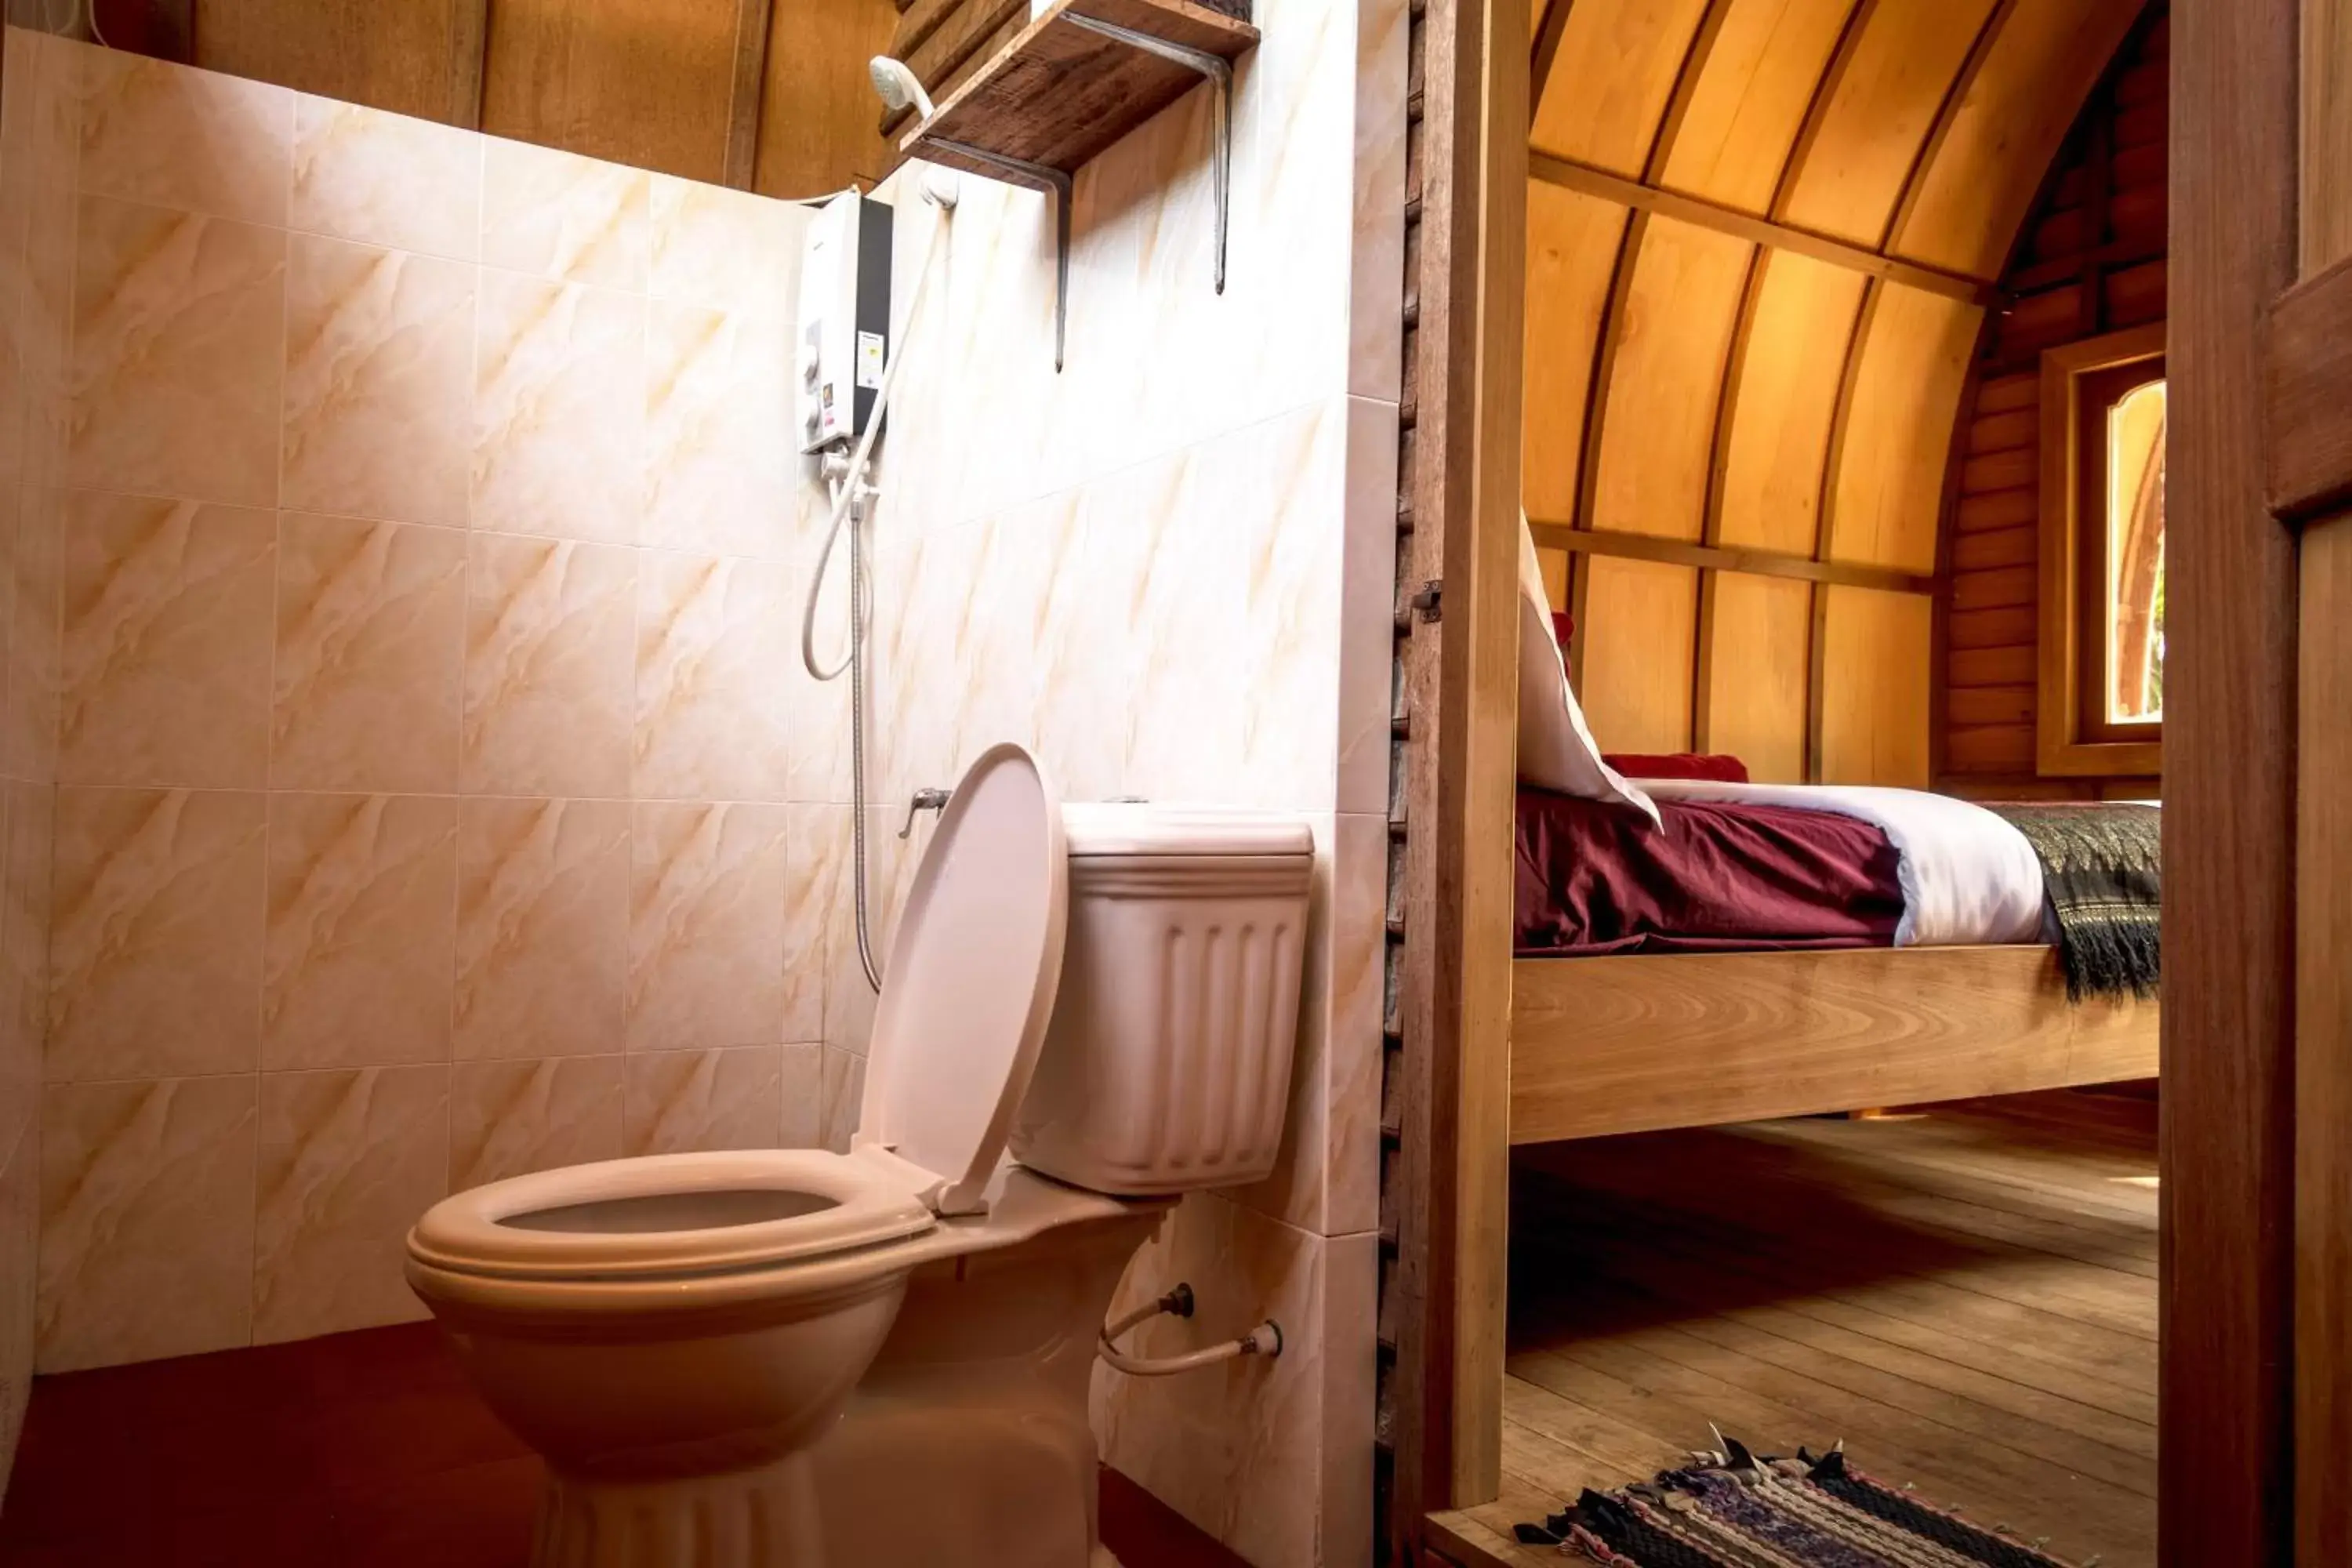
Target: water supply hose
(1266, 1339)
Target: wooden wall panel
(1750, 100)
(1787, 395)
(1875, 655)
(1890, 480)
(817, 125)
(1880, 114)
(635, 82)
(1657, 434)
(1612, 80)
(1572, 244)
(1638, 627)
(1757, 647)
(385, 54)
(2103, 199)
(2048, 56)
(649, 83)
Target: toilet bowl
(787, 1358)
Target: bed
(1785, 951)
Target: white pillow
(1556, 749)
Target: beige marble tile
(551, 664)
(682, 1100)
(721, 471)
(346, 1162)
(42, 182)
(371, 654)
(542, 926)
(20, 1266)
(1239, 1450)
(706, 914)
(1375, 258)
(713, 636)
(152, 132)
(725, 248)
(816, 848)
(146, 1220)
(559, 410)
(386, 179)
(379, 381)
(155, 944)
(509, 1118)
(24, 939)
(360, 955)
(803, 1072)
(1351, 1333)
(166, 652)
(1229, 557)
(178, 340)
(557, 214)
(32, 594)
(890, 863)
(1367, 672)
(841, 1089)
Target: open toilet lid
(970, 985)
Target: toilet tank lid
(1152, 827)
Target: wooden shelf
(1057, 95)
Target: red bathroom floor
(362, 1450)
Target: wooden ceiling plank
(1629, 251)
(1945, 111)
(1809, 130)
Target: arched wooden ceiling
(1762, 234)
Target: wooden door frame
(1457, 653)
(2227, 1152)
(2228, 1155)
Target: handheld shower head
(898, 87)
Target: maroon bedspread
(1595, 878)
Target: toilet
(786, 1358)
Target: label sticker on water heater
(870, 359)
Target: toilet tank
(1166, 1067)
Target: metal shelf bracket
(1054, 182)
(1220, 73)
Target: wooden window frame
(2068, 743)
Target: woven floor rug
(1734, 1510)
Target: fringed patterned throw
(2103, 871)
(1733, 1510)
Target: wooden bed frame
(1641, 1042)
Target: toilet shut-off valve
(1266, 1339)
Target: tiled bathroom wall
(1170, 568)
(405, 597)
(425, 562)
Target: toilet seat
(974, 971)
(534, 1226)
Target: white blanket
(1967, 876)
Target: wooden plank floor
(1966, 1298)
